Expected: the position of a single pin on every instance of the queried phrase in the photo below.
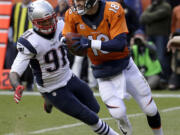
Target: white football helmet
(82, 9)
(42, 16)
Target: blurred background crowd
(151, 24)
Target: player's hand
(82, 43)
(18, 93)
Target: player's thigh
(110, 92)
(136, 84)
(138, 87)
(84, 94)
(66, 102)
(106, 89)
(114, 86)
(111, 97)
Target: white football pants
(114, 89)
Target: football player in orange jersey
(103, 29)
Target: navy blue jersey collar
(93, 21)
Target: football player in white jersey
(41, 47)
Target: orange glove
(18, 93)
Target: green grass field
(28, 117)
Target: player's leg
(84, 94)
(118, 111)
(112, 92)
(66, 102)
(138, 87)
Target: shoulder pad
(25, 46)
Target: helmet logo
(30, 9)
(94, 27)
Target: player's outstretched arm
(15, 82)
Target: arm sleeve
(116, 44)
(26, 51)
(118, 30)
(20, 63)
(117, 23)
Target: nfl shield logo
(82, 26)
(94, 27)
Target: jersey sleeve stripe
(27, 44)
(37, 71)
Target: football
(70, 42)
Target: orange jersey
(105, 27)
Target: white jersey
(47, 58)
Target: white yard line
(171, 109)
(25, 93)
(80, 123)
(56, 128)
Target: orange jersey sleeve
(116, 17)
(110, 23)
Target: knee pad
(116, 107)
(150, 109)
